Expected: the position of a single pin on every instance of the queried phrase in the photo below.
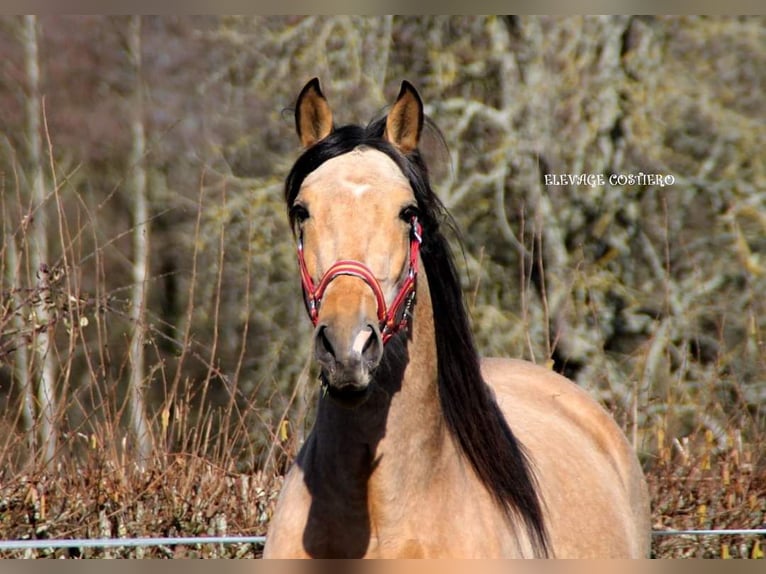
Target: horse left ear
(313, 116)
(405, 120)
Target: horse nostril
(372, 351)
(323, 347)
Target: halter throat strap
(391, 319)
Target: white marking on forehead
(359, 189)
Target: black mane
(470, 411)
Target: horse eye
(299, 213)
(408, 213)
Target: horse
(420, 449)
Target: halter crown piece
(392, 319)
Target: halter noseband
(400, 307)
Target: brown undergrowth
(691, 486)
(185, 496)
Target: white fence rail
(127, 542)
(715, 532)
(260, 540)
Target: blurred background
(151, 303)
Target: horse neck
(394, 439)
(415, 429)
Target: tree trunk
(139, 423)
(21, 368)
(39, 253)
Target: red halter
(400, 306)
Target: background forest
(153, 340)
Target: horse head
(355, 217)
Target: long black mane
(472, 415)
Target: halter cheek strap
(392, 319)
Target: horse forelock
(470, 411)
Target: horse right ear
(313, 116)
(405, 120)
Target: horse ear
(405, 120)
(313, 116)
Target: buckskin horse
(420, 448)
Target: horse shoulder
(588, 473)
(289, 518)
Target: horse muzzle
(347, 356)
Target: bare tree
(39, 252)
(21, 372)
(139, 423)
